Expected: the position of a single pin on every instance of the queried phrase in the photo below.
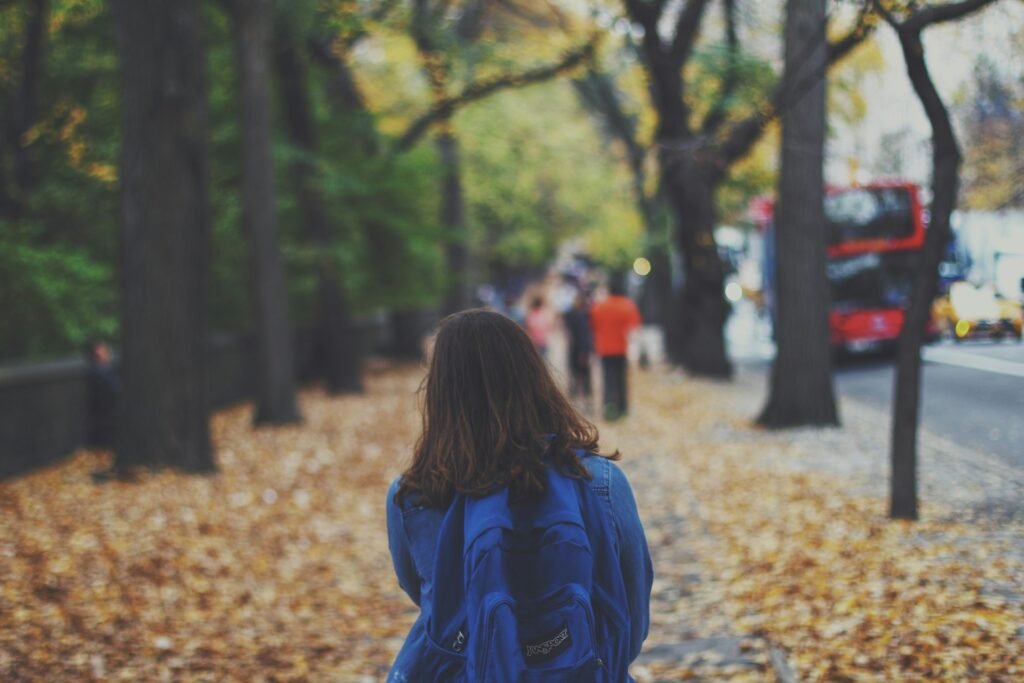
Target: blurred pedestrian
(539, 323)
(513, 310)
(612, 320)
(101, 395)
(581, 347)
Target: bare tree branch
(837, 50)
(598, 92)
(937, 14)
(446, 106)
(909, 31)
(647, 14)
(716, 116)
(539, 19)
(742, 135)
(687, 29)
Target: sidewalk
(775, 560)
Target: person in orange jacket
(612, 320)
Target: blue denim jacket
(413, 530)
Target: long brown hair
(492, 416)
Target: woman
(495, 424)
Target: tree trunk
(337, 348)
(164, 236)
(663, 281)
(453, 218)
(696, 333)
(424, 31)
(701, 309)
(275, 392)
(406, 334)
(24, 110)
(658, 286)
(658, 289)
(801, 380)
(945, 186)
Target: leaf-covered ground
(277, 568)
(802, 559)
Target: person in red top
(612, 320)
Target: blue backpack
(527, 593)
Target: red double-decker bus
(875, 234)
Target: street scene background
(229, 230)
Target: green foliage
(229, 302)
(537, 172)
(755, 79)
(58, 244)
(754, 176)
(708, 70)
(380, 213)
(387, 245)
(54, 298)
(58, 266)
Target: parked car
(968, 312)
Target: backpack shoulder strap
(447, 608)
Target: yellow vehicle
(969, 312)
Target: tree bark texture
(337, 347)
(408, 329)
(945, 186)
(164, 235)
(701, 309)
(275, 390)
(800, 392)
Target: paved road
(973, 393)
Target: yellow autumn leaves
(277, 568)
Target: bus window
(860, 214)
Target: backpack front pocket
(557, 638)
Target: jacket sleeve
(634, 557)
(398, 544)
